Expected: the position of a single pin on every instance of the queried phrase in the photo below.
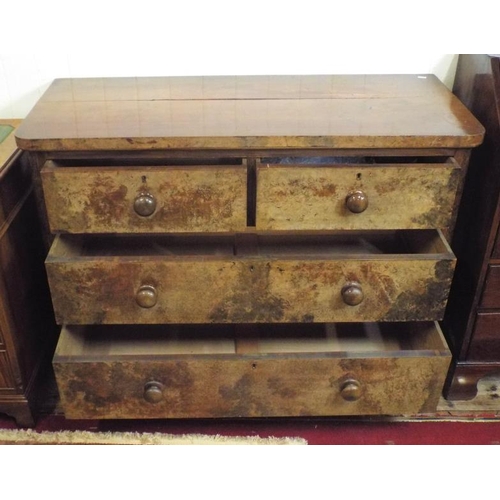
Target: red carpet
(319, 431)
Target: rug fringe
(30, 436)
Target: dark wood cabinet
(27, 327)
(472, 320)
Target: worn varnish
(250, 382)
(185, 211)
(407, 196)
(248, 112)
(297, 284)
(186, 199)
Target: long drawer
(284, 370)
(366, 276)
(145, 199)
(354, 197)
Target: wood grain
(250, 385)
(314, 197)
(188, 199)
(386, 111)
(275, 286)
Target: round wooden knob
(144, 205)
(357, 202)
(153, 392)
(350, 389)
(146, 296)
(352, 294)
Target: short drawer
(284, 370)
(485, 341)
(145, 199)
(349, 197)
(374, 276)
(490, 298)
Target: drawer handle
(352, 294)
(350, 389)
(145, 204)
(357, 202)
(146, 296)
(153, 392)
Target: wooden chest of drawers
(250, 246)
(472, 322)
(27, 327)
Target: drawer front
(246, 384)
(248, 289)
(360, 197)
(6, 378)
(485, 342)
(490, 298)
(145, 199)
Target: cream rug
(31, 437)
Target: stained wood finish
(395, 196)
(490, 298)
(27, 326)
(263, 274)
(278, 377)
(486, 345)
(185, 199)
(294, 280)
(405, 111)
(477, 85)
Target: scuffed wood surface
(101, 386)
(101, 200)
(313, 197)
(229, 289)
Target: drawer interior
(92, 343)
(418, 244)
(353, 160)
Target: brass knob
(350, 389)
(146, 296)
(145, 204)
(153, 392)
(357, 202)
(352, 294)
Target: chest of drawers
(250, 246)
(472, 320)
(27, 328)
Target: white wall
(48, 39)
(23, 78)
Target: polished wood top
(241, 112)
(7, 139)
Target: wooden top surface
(7, 139)
(241, 112)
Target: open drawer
(349, 196)
(131, 198)
(388, 276)
(250, 371)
